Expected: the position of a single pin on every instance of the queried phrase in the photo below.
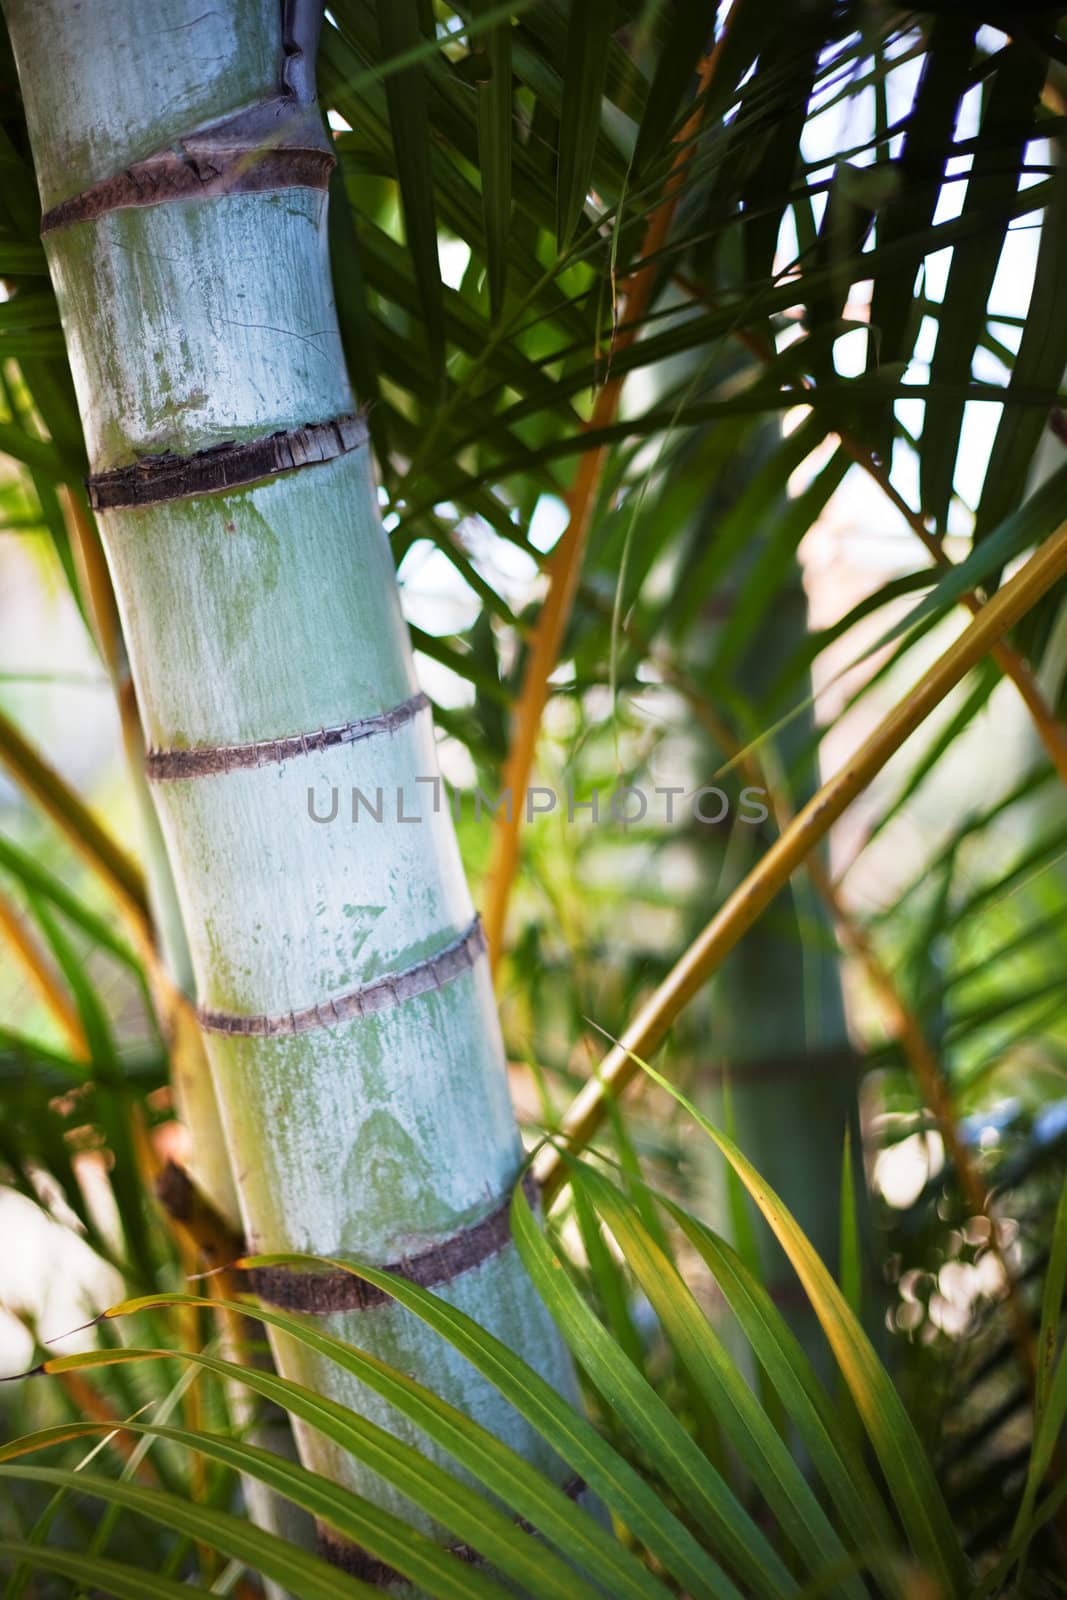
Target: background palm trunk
(781, 1068)
(780, 1042)
(198, 314)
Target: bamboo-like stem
(564, 566)
(107, 631)
(171, 983)
(167, 951)
(346, 1003)
(38, 969)
(811, 824)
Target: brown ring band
(168, 176)
(155, 479)
(204, 761)
(323, 1293)
(421, 978)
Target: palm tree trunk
(343, 988)
(209, 1168)
(778, 1020)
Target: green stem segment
(352, 1032)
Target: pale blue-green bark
(265, 612)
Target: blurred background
(746, 566)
